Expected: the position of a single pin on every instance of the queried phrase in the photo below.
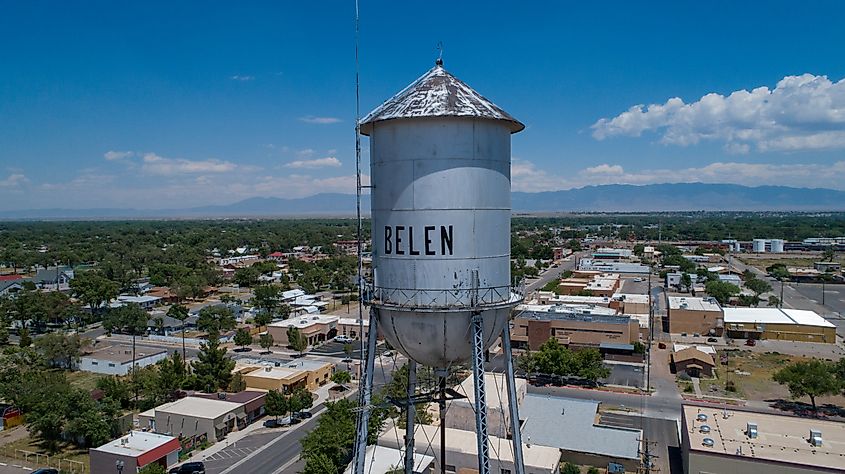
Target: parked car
(304, 415)
(712, 339)
(46, 470)
(189, 468)
(343, 339)
(751, 342)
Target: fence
(31, 460)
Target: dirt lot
(27, 447)
(752, 374)
(790, 260)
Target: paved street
(552, 273)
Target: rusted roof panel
(437, 94)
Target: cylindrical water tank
(441, 208)
(759, 245)
(776, 245)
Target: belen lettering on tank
(428, 240)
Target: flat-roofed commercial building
(630, 303)
(350, 327)
(718, 440)
(135, 450)
(286, 376)
(694, 315)
(117, 359)
(576, 328)
(570, 425)
(315, 327)
(551, 298)
(197, 418)
(462, 451)
(779, 324)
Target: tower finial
(440, 48)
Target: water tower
(441, 291)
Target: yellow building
(778, 324)
(287, 376)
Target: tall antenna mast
(360, 447)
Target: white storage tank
(441, 208)
(759, 245)
(776, 245)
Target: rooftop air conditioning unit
(708, 442)
(701, 417)
(751, 430)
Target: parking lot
(626, 375)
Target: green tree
(116, 389)
(266, 300)
(238, 384)
(246, 276)
(300, 399)
(215, 320)
(171, 377)
(341, 377)
(570, 468)
(331, 442)
(243, 338)
(265, 340)
(93, 290)
(276, 404)
(829, 254)
(180, 313)
(24, 340)
(722, 291)
(296, 340)
(153, 468)
(555, 359)
(319, 463)
(813, 378)
(60, 350)
(686, 281)
(774, 301)
(213, 368)
(758, 287)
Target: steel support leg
(513, 404)
(366, 387)
(480, 394)
(410, 415)
(442, 405)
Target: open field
(790, 260)
(68, 458)
(752, 373)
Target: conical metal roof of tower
(438, 94)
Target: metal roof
(775, 316)
(437, 93)
(569, 424)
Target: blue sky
(175, 104)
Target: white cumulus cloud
(319, 120)
(805, 112)
(13, 180)
(241, 78)
(327, 162)
(117, 155)
(158, 165)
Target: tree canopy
(813, 378)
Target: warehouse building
(694, 315)
(719, 440)
(779, 324)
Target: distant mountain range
(604, 198)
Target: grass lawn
(66, 452)
(84, 380)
